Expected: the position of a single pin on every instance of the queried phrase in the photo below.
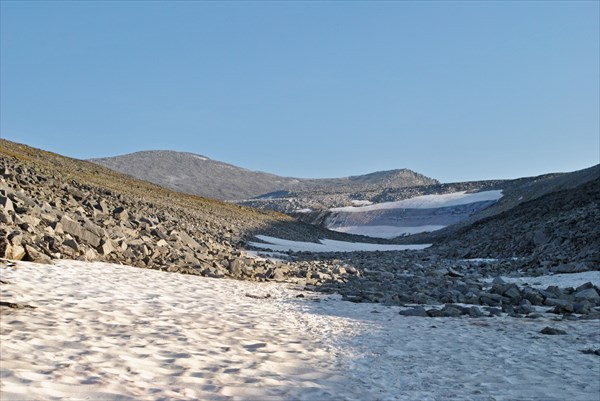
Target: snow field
(110, 332)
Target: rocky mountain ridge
(199, 175)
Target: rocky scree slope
(55, 207)
(559, 230)
(199, 175)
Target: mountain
(199, 175)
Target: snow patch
(327, 245)
(385, 231)
(356, 202)
(560, 280)
(104, 331)
(428, 201)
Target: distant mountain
(199, 175)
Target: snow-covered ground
(326, 245)
(386, 231)
(573, 280)
(109, 332)
(409, 216)
(427, 201)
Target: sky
(457, 91)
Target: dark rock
(415, 311)
(446, 311)
(258, 296)
(552, 331)
(591, 351)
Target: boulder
(588, 294)
(6, 204)
(34, 254)
(79, 231)
(552, 331)
(414, 311)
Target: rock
(77, 230)
(189, 241)
(569, 268)
(533, 296)
(34, 254)
(14, 252)
(120, 213)
(453, 273)
(493, 311)
(524, 308)
(446, 311)
(6, 204)
(258, 296)
(588, 294)
(591, 351)
(582, 307)
(513, 293)
(491, 299)
(235, 267)
(71, 243)
(14, 305)
(557, 302)
(475, 312)
(552, 331)
(107, 247)
(414, 311)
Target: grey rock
(6, 204)
(582, 307)
(569, 268)
(552, 331)
(120, 213)
(446, 311)
(557, 302)
(35, 254)
(513, 293)
(588, 294)
(414, 311)
(77, 230)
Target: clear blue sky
(455, 90)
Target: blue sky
(455, 90)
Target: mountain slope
(55, 207)
(199, 175)
(560, 230)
